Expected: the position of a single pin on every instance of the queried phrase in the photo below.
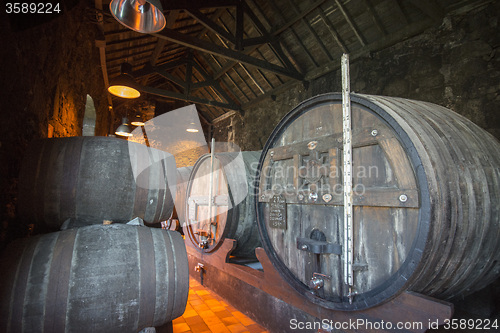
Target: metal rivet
(300, 197)
(304, 247)
(374, 132)
(151, 201)
(403, 198)
(327, 197)
(262, 197)
(311, 145)
(271, 153)
(313, 196)
(339, 140)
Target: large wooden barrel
(233, 208)
(99, 278)
(426, 201)
(91, 179)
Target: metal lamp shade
(123, 86)
(124, 129)
(137, 121)
(139, 15)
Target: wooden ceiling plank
(160, 45)
(375, 17)
(126, 49)
(333, 31)
(401, 13)
(351, 23)
(211, 25)
(311, 30)
(430, 8)
(244, 81)
(228, 77)
(252, 78)
(391, 39)
(128, 40)
(213, 83)
(128, 55)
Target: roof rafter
(208, 47)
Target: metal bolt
(300, 197)
(311, 145)
(403, 198)
(271, 153)
(374, 132)
(304, 247)
(262, 197)
(313, 196)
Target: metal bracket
(318, 247)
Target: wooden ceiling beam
(189, 98)
(286, 62)
(208, 47)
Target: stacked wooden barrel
(94, 277)
(91, 179)
(99, 278)
(426, 192)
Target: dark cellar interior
(250, 67)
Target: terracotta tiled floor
(208, 313)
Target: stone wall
(456, 64)
(47, 70)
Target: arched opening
(89, 118)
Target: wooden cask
(99, 278)
(233, 199)
(426, 201)
(91, 179)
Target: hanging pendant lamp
(145, 16)
(124, 128)
(137, 120)
(124, 84)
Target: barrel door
(231, 203)
(207, 221)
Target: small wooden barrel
(91, 179)
(233, 203)
(94, 279)
(426, 193)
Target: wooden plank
(210, 25)
(375, 197)
(351, 22)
